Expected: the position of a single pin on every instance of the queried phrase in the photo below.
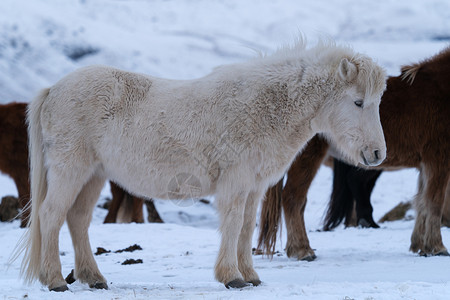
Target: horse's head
(350, 116)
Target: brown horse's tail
(30, 242)
(270, 219)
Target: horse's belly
(162, 181)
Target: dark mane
(409, 72)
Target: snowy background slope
(41, 41)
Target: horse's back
(130, 125)
(81, 107)
(413, 109)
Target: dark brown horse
(350, 197)
(14, 158)
(132, 207)
(415, 114)
(14, 151)
(352, 187)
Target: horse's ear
(347, 70)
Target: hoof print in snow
(132, 261)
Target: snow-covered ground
(42, 40)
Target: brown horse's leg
(426, 238)
(153, 216)
(137, 211)
(117, 199)
(419, 226)
(78, 219)
(299, 179)
(446, 210)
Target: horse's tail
(30, 242)
(270, 219)
(341, 200)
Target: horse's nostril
(376, 153)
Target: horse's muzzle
(372, 157)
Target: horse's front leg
(297, 245)
(231, 211)
(245, 260)
(299, 179)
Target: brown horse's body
(14, 151)
(14, 158)
(131, 208)
(415, 115)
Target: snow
(39, 43)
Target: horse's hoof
(255, 282)
(237, 284)
(99, 286)
(70, 278)
(364, 223)
(61, 288)
(310, 257)
(441, 253)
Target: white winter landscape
(43, 40)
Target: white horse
(231, 134)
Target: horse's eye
(359, 103)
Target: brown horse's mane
(409, 72)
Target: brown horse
(352, 188)
(14, 151)
(14, 158)
(132, 207)
(414, 113)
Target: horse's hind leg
(117, 198)
(446, 210)
(62, 191)
(426, 238)
(138, 212)
(245, 261)
(419, 226)
(231, 210)
(78, 219)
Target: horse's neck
(283, 116)
(277, 98)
